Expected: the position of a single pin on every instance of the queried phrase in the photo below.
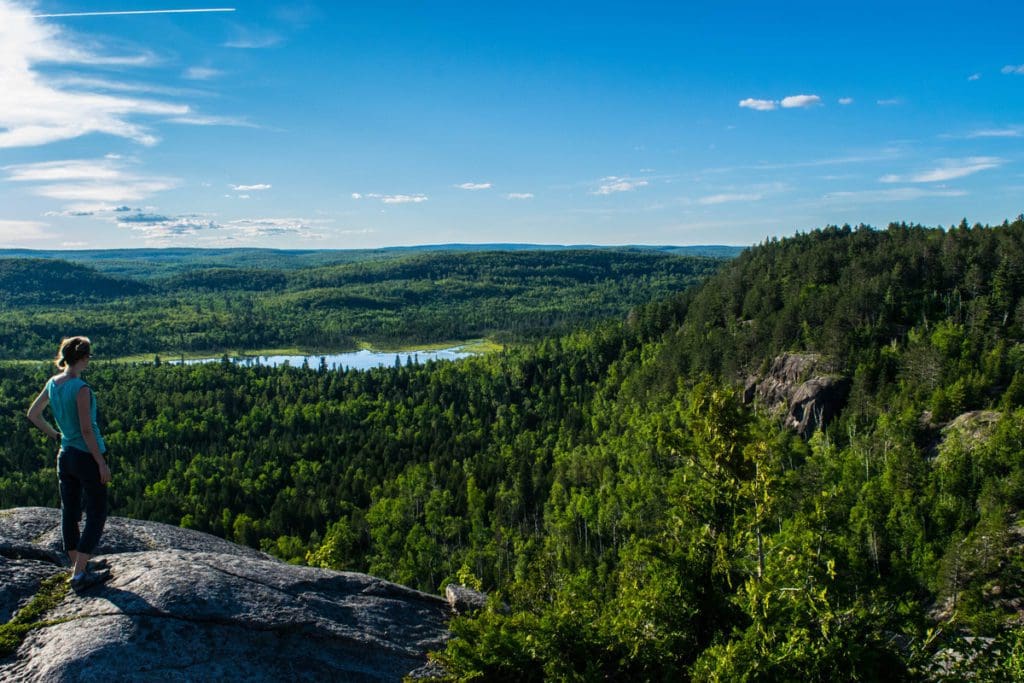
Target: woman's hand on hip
(104, 473)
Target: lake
(352, 360)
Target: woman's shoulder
(61, 380)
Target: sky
(336, 124)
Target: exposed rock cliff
(183, 605)
(803, 386)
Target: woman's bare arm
(82, 400)
(35, 415)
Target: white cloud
(166, 228)
(725, 198)
(253, 39)
(251, 188)
(519, 195)
(100, 181)
(794, 101)
(124, 191)
(948, 169)
(613, 184)
(92, 83)
(400, 198)
(270, 227)
(1011, 132)
(1017, 69)
(845, 100)
(194, 120)
(23, 231)
(474, 186)
(897, 194)
(74, 169)
(890, 102)
(38, 109)
(974, 77)
(393, 198)
(201, 73)
(758, 105)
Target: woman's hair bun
(72, 350)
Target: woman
(80, 463)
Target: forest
(631, 515)
(208, 305)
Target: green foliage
(640, 521)
(417, 298)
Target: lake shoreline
(474, 346)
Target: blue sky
(351, 125)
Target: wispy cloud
(97, 181)
(1017, 69)
(74, 169)
(948, 169)
(614, 184)
(845, 101)
(393, 198)
(799, 101)
(17, 232)
(259, 187)
(884, 154)
(974, 77)
(1009, 132)
(90, 84)
(196, 120)
(726, 197)
(37, 110)
(519, 195)
(161, 228)
(758, 105)
(201, 73)
(897, 194)
(474, 186)
(890, 102)
(253, 39)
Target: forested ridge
(612, 488)
(419, 298)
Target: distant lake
(353, 360)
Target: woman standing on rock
(80, 463)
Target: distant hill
(46, 281)
(189, 301)
(150, 263)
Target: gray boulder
(463, 599)
(186, 606)
(803, 387)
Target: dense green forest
(631, 517)
(147, 264)
(423, 297)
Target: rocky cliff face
(804, 387)
(183, 606)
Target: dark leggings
(80, 474)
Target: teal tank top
(64, 404)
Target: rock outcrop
(183, 606)
(804, 387)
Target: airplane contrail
(144, 11)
